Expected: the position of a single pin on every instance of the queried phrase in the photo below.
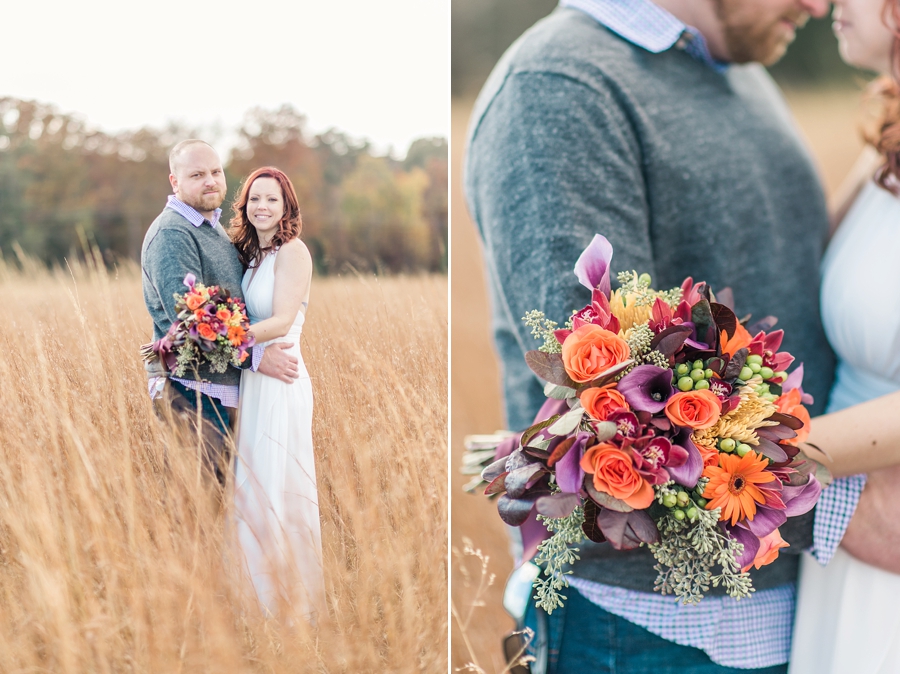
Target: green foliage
(554, 555)
(62, 183)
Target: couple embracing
(654, 123)
(262, 260)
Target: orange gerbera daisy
(732, 485)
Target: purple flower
(592, 267)
(569, 474)
(190, 280)
(647, 388)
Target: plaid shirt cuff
(833, 513)
(256, 356)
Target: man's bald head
(197, 176)
(178, 152)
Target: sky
(373, 69)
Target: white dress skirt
(848, 612)
(276, 502)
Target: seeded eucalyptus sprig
(542, 328)
(554, 554)
(687, 552)
(631, 282)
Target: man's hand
(873, 534)
(279, 365)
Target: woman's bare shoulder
(295, 251)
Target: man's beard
(748, 39)
(207, 202)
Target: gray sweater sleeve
(169, 257)
(551, 162)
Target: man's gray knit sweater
(687, 172)
(172, 248)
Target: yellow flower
(625, 308)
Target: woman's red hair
(886, 90)
(243, 233)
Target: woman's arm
(293, 273)
(858, 439)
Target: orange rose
(710, 455)
(599, 403)
(694, 409)
(768, 550)
(207, 332)
(223, 315)
(194, 301)
(789, 403)
(590, 350)
(614, 474)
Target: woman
(276, 501)
(847, 618)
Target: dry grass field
(113, 557)
(828, 120)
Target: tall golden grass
(113, 556)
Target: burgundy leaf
(518, 480)
(549, 367)
(736, 364)
(775, 433)
(788, 420)
(557, 505)
(724, 319)
(493, 471)
(590, 528)
(539, 454)
(626, 531)
(514, 511)
(671, 339)
(560, 451)
(604, 499)
(497, 485)
(769, 449)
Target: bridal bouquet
(212, 326)
(668, 423)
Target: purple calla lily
(190, 280)
(592, 267)
(569, 475)
(688, 472)
(749, 540)
(647, 388)
(795, 380)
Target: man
(187, 237)
(654, 125)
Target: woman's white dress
(848, 613)
(276, 502)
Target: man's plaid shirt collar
(192, 215)
(648, 26)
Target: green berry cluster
(684, 504)
(754, 366)
(692, 376)
(732, 446)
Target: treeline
(63, 184)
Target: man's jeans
(582, 638)
(178, 404)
